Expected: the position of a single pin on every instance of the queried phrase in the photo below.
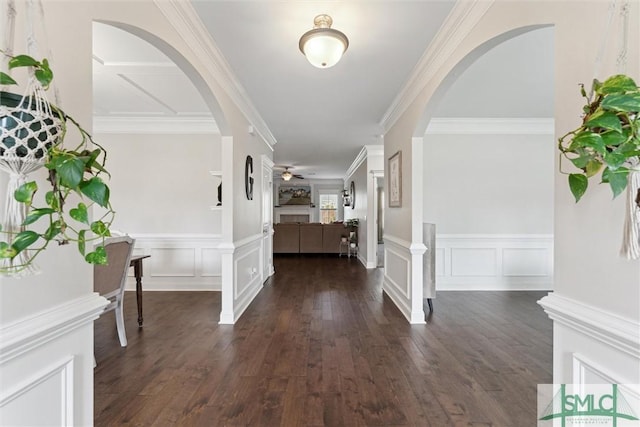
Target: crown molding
(155, 125)
(187, 23)
(464, 16)
(367, 150)
(491, 126)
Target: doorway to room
(380, 200)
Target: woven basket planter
(28, 127)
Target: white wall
(489, 184)
(161, 183)
(493, 212)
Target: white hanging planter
(28, 127)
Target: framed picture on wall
(395, 180)
(294, 195)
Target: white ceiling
(321, 118)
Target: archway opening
(162, 128)
(488, 163)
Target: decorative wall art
(294, 195)
(352, 194)
(395, 180)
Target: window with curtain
(328, 208)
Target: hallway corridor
(321, 346)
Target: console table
(136, 263)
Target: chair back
(109, 280)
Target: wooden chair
(110, 280)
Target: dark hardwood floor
(322, 346)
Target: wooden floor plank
(322, 345)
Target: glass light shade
(286, 175)
(323, 48)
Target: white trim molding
(490, 126)
(367, 150)
(614, 331)
(29, 333)
(188, 24)
(61, 374)
(155, 125)
(46, 363)
(461, 20)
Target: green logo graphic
(603, 406)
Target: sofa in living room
(308, 238)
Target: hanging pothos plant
(73, 174)
(608, 140)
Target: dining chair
(109, 280)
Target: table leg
(137, 270)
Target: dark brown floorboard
(322, 346)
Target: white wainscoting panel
(593, 346)
(494, 262)
(52, 388)
(470, 262)
(173, 262)
(397, 273)
(247, 265)
(46, 365)
(179, 262)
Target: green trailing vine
(72, 174)
(608, 141)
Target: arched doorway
(160, 124)
(488, 170)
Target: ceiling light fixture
(286, 175)
(323, 46)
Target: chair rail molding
(614, 331)
(34, 331)
(49, 353)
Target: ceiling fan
(286, 174)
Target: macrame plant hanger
(28, 128)
(630, 248)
